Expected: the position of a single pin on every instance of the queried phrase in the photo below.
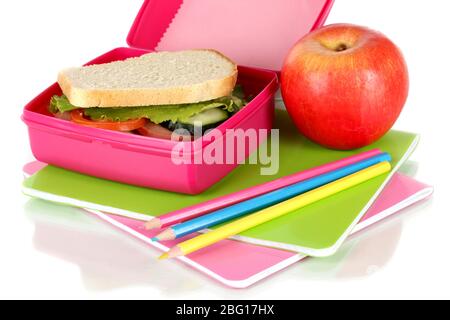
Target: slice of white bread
(153, 79)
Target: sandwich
(188, 92)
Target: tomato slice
(156, 131)
(130, 125)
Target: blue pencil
(265, 200)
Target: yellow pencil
(276, 211)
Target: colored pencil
(266, 200)
(195, 211)
(276, 211)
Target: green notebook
(316, 230)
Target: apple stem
(341, 47)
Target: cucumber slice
(207, 119)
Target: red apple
(344, 86)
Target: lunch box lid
(255, 33)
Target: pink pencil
(195, 211)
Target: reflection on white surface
(109, 259)
(409, 168)
(361, 256)
(365, 252)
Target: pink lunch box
(254, 33)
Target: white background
(47, 251)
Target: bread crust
(132, 97)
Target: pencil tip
(166, 235)
(153, 224)
(164, 256)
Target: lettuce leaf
(156, 114)
(61, 104)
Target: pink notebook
(239, 265)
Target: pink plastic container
(253, 39)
